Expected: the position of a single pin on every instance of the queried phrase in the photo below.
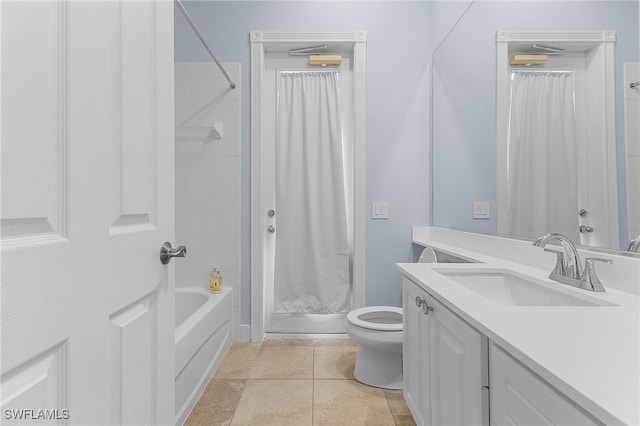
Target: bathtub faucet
(634, 245)
(167, 252)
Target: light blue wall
(464, 99)
(397, 114)
(401, 37)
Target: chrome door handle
(167, 252)
(271, 229)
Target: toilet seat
(380, 318)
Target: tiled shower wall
(208, 177)
(632, 135)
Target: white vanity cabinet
(415, 352)
(444, 365)
(520, 397)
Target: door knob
(271, 229)
(271, 213)
(167, 252)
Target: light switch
(481, 210)
(380, 210)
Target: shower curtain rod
(204, 43)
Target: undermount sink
(507, 287)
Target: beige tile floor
(294, 381)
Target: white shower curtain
(312, 273)
(542, 165)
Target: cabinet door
(456, 369)
(415, 352)
(519, 397)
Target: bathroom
(401, 37)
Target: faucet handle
(559, 268)
(634, 244)
(590, 280)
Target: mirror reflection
(556, 145)
(586, 182)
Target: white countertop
(589, 353)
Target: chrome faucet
(634, 245)
(568, 269)
(568, 262)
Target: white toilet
(378, 332)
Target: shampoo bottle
(215, 280)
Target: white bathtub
(203, 335)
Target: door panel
(38, 382)
(37, 158)
(134, 175)
(87, 200)
(132, 358)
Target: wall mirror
(465, 107)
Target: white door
(269, 52)
(87, 200)
(287, 322)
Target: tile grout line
(313, 382)
(386, 398)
